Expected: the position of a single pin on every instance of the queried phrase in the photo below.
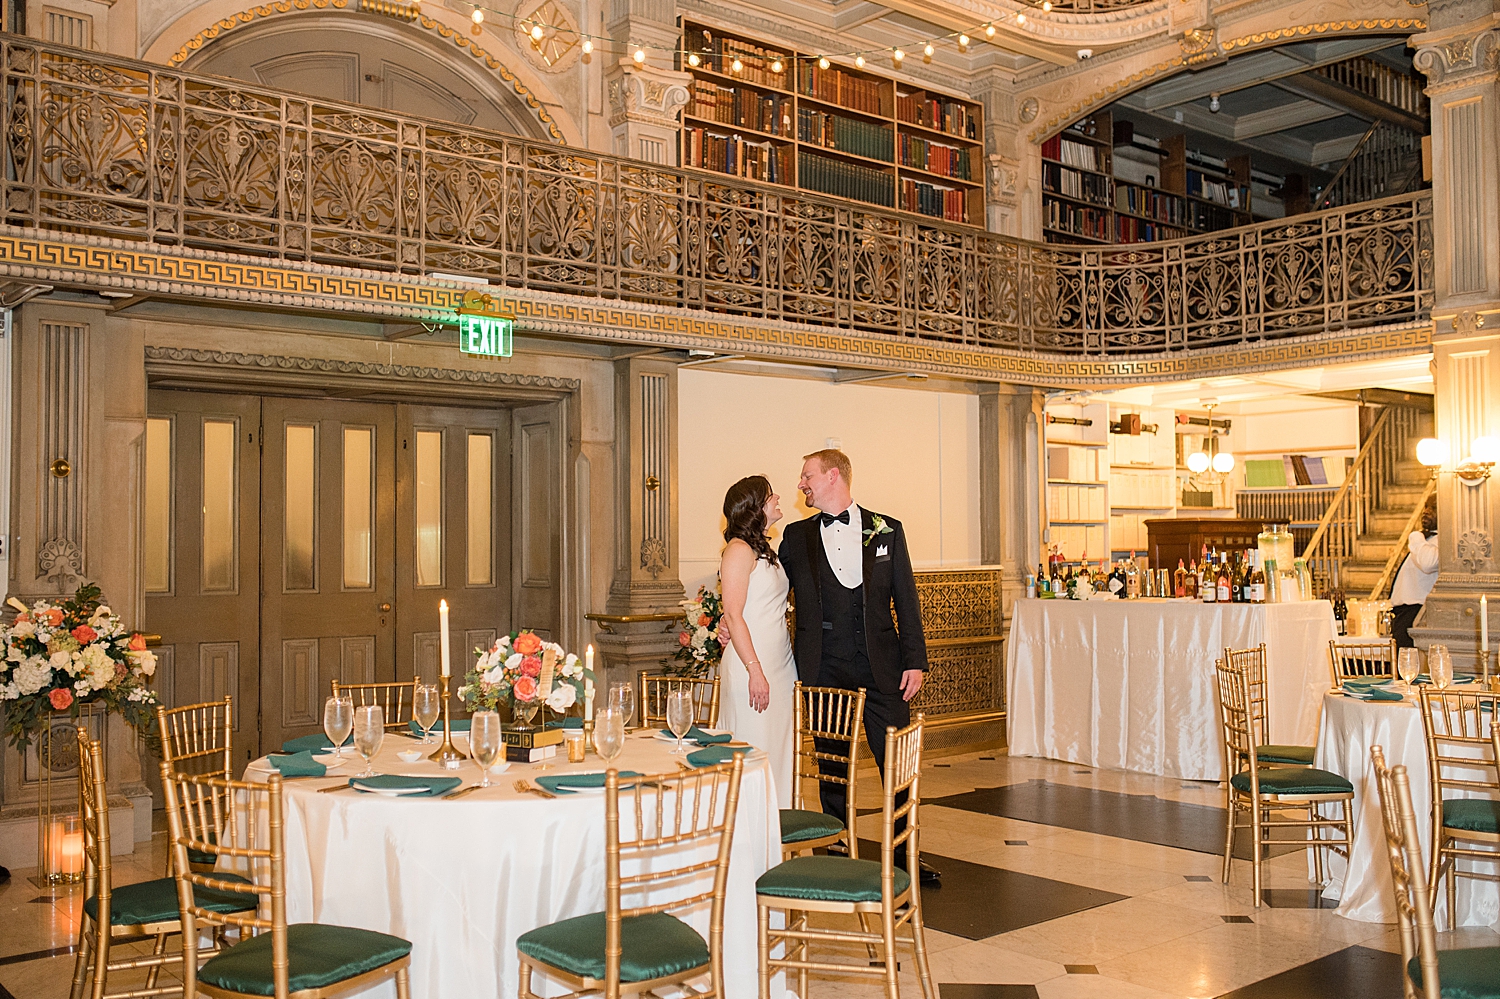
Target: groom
(847, 566)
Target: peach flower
(61, 699)
(527, 644)
(524, 689)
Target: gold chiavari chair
(1362, 659)
(1461, 762)
(198, 739)
(1427, 972)
(395, 698)
(653, 699)
(1259, 790)
(123, 914)
(850, 886)
(825, 717)
(1253, 663)
(308, 960)
(668, 819)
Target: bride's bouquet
(699, 646)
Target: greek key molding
(318, 365)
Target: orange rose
(531, 666)
(137, 643)
(527, 644)
(22, 617)
(524, 689)
(684, 639)
(61, 699)
(704, 620)
(84, 634)
(54, 617)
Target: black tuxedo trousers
(881, 711)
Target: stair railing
(1382, 586)
(1333, 543)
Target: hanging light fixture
(1210, 464)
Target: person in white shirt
(1415, 578)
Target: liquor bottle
(1190, 581)
(1223, 584)
(1207, 591)
(1056, 586)
(1340, 612)
(1239, 580)
(1179, 580)
(1115, 581)
(1132, 578)
(1257, 582)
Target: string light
(927, 51)
(693, 59)
(859, 61)
(1020, 19)
(963, 43)
(822, 62)
(736, 66)
(1046, 6)
(537, 32)
(588, 47)
(639, 56)
(776, 65)
(989, 29)
(897, 56)
(477, 17)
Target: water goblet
(1408, 665)
(622, 697)
(679, 715)
(485, 742)
(369, 733)
(338, 721)
(1440, 666)
(609, 734)
(426, 705)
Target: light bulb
(477, 17)
(1046, 6)
(736, 66)
(989, 29)
(859, 61)
(1432, 452)
(693, 59)
(1485, 450)
(898, 55)
(1197, 463)
(927, 51)
(639, 56)
(822, 62)
(537, 32)
(1223, 463)
(1020, 19)
(963, 41)
(776, 65)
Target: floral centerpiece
(515, 672)
(77, 651)
(700, 647)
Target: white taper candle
(443, 639)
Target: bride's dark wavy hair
(745, 515)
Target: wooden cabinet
(1184, 537)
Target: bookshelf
(842, 131)
(1078, 480)
(1142, 475)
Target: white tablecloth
(1130, 684)
(462, 879)
(1363, 887)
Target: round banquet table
(1363, 886)
(462, 879)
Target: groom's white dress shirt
(841, 542)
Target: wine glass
(369, 733)
(679, 715)
(426, 705)
(1440, 666)
(485, 742)
(609, 734)
(622, 697)
(1408, 665)
(338, 721)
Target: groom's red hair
(832, 457)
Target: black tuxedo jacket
(888, 581)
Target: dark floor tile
(1080, 969)
(1017, 842)
(952, 991)
(942, 766)
(990, 758)
(1353, 971)
(1083, 771)
(1141, 817)
(1296, 898)
(1237, 919)
(1196, 877)
(36, 955)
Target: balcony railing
(112, 147)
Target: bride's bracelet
(753, 663)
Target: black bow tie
(828, 518)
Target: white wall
(915, 454)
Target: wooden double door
(290, 542)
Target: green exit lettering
(488, 335)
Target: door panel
(328, 556)
(453, 515)
(201, 549)
(537, 519)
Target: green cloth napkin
(298, 765)
(461, 725)
(306, 742)
(1371, 692)
(432, 787)
(702, 738)
(1423, 679)
(569, 783)
(714, 755)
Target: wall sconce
(1475, 468)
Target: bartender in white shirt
(1415, 578)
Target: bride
(757, 671)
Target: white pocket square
(880, 551)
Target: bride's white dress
(771, 729)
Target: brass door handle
(385, 608)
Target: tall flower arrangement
(511, 672)
(700, 648)
(77, 651)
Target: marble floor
(1059, 882)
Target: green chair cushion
(318, 956)
(1472, 814)
(199, 857)
(652, 946)
(156, 901)
(1285, 754)
(828, 879)
(1282, 781)
(798, 825)
(1471, 973)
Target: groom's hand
(911, 682)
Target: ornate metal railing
(113, 147)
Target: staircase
(1364, 524)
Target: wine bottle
(1257, 580)
(1190, 581)
(1206, 588)
(1179, 581)
(1222, 584)
(1132, 578)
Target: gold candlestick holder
(447, 756)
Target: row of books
(837, 87)
(862, 138)
(739, 157)
(1201, 216)
(932, 112)
(1293, 469)
(847, 180)
(937, 202)
(1072, 184)
(719, 53)
(743, 107)
(1073, 154)
(1160, 205)
(934, 157)
(1133, 230)
(1076, 219)
(1217, 191)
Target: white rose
(562, 697)
(494, 674)
(514, 662)
(23, 629)
(62, 660)
(15, 654)
(144, 660)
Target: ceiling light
(1213, 103)
(639, 56)
(822, 62)
(1085, 53)
(1197, 463)
(1223, 463)
(736, 66)
(859, 61)
(477, 17)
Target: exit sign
(488, 335)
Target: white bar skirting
(1130, 685)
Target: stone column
(646, 581)
(1458, 55)
(645, 97)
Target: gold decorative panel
(961, 618)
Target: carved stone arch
(190, 41)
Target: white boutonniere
(877, 526)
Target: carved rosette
(1474, 549)
(61, 562)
